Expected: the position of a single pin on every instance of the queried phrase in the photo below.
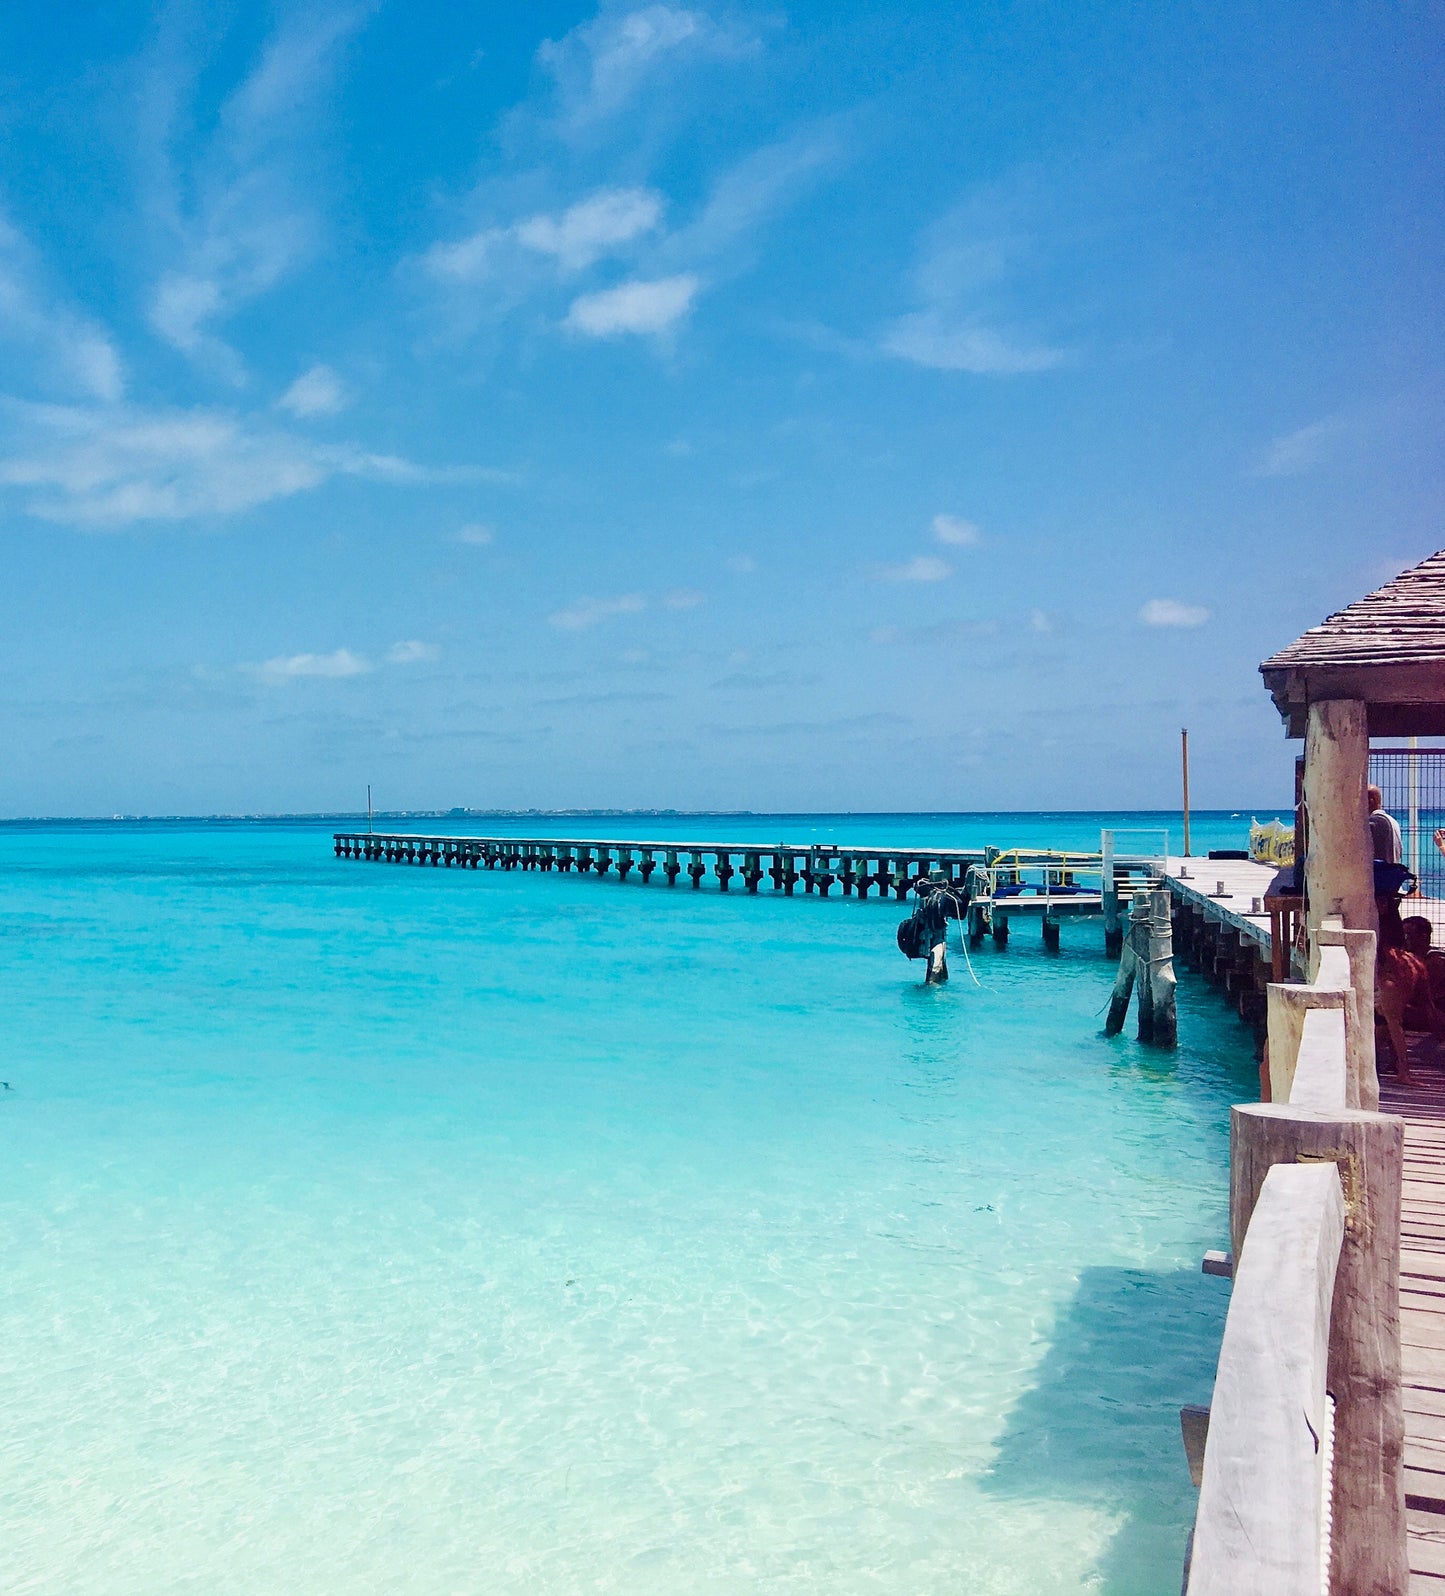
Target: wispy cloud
(475, 533)
(741, 564)
(412, 652)
(921, 568)
(1173, 612)
(603, 223)
(583, 613)
(290, 668)
(955, 531)
(962, 320)
(240, 215)
(317, 392)
(585, 232)
(602, 66)
(683, 598)
(1039, 621)
(109, 467)
(636, 307)
(1296, 453)
(64, 343)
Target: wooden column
(1364, 1350)
(1109, 891)
(1128, 971)
(1338, 872)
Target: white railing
(1301, 1488)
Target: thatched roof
(1387, 649)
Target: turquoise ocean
(371, 1228)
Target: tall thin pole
(368, 808)
(1413, 818)
(1184, 752)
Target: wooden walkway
(1422, 1307)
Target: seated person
(1420, 1014)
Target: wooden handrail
(1318, 1151)
(1261, 1526)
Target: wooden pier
(1228, 929)
(1045, 884)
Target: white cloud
(1171, 612)
(476, 533)
(288, 668)
(593, 227)
(921, 568)
(1039, 621)
(928, 338)
(634, 307)
(241, 214)
(412, 652)
(601, 66)
(683, 598)
(317, 392)
(961, 288)
(741, 564)
(72, 352)
(1298, 452)
(601, 224)
(955, 531)
(752, 190)
(468, 259)
(110, 467)
(587, 612)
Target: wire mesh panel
(1412, 787)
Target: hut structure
(1323, 1461)
(1374, 670)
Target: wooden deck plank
(1422, 1311)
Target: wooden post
(1051, 932)
(1364, 1358)
(1128, 973)
(1338, 873)
(1158, 991)
(1184, 750)
(938, 961)
(1359, 946)
(1109, 892)
(1285, 1018)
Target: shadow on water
(1100, 1425)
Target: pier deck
(1422, 1308)
(1197, 882)
(818, 867)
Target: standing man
(1385, 840)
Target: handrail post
(1364, 1359)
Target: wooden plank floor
(1225, 889)
(1422, 1307)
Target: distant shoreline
(327, 815)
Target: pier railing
(1301, 1478)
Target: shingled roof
(1386, 649)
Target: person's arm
(1440, 839)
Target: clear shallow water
(372, 1228)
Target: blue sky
(838, 407)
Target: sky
(847, 407)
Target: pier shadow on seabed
(1100, 1424)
